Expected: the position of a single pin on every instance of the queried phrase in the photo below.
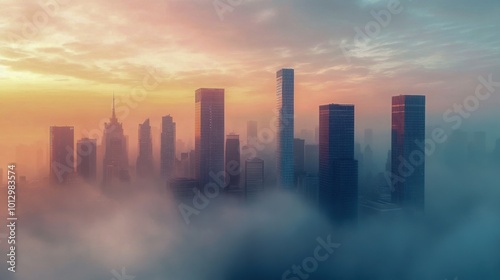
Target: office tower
(338, 170)
(252, 133)
(167, 149)
(298, 157)
(209, 135)
(62, 158)
(285, 130)
(233, 165)
(407, 158)
(86, 152)
(254, 178)
(144, 163)
(311, 159)
(115, 161)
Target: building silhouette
(209, 134)
(338, 170)
(407, 157)
(144, 164)
(254, 178)
(285, 128)
(167, 148)
(86, 166)
(115, 161)
(233, 161)
(62, 158)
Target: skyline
(200, 50)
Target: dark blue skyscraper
(338, 170)
(233, 164)
(62, 160)
(167, 148)
(407, 157)
(285, 131)
(209, 134)
(86, 166)
(145, 158)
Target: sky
(61, 61)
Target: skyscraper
(86, 166)
(285, 128)
(209, 134)
(233, 164)
(115, 163)
(254, 178)
(167, 149)
(408, 132)
(144, 163)
(62, 159)
(338, 170)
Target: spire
(114, 115)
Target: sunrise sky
(60, 63)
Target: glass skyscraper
(209, 134)
(407, 157)
(144, 163)
(62, 159)
(167, 148)
(338, 170)
(233, 164)
(87, 164)
(285, 130)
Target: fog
(79, 232)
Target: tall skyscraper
(233, 162)
(167, 149)
(86, 166)
(254, 178)
(209, 134)
(338, 170)
(62, 158)
(408, 130)
(285, 128)
(298, 149)
(115, 163)
(251, 132)
(144, 163)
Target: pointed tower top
(113, 116)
